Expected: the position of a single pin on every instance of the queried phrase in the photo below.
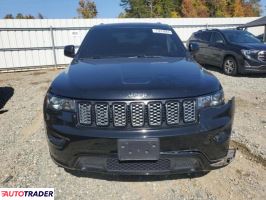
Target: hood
(255, 46)
(134, 78)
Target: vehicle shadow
(219, 70)
(212, 68)
(5, 94)
(134, 178)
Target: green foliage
(9, 16)
(21, 16)
(87, 9)
(40, 16)
(190, 8)
(150, 8)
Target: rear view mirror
(69, 51)
(193, 47)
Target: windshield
(131, 42)
(240, 37)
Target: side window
(197, 36)
(206, 36)
(217, 38)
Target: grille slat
(189, 111)
(102, 114)
(172, 113)
(155, 113)
(85, 113)
(120, 114)
(137, 114)
(262, 56)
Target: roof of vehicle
(133, 25)
(220, 30)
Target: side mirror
(220, 41)
(261, 39)
(193, 47)
(69, 51)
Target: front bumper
(182, 162)
(199, 147)
(249, 66)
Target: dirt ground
(25, 160)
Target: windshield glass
(131, 42)
(240, 37)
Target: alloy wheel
(230, 67)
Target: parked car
(235, 51)
(133, 101)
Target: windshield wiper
(92, 57)
(145, 56)
(137, 56)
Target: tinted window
(197, 35)
(216, 37)
(206, 36)
(130, 42)
(240, 37)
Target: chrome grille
(102, 114)
(84, 113)
(172, 112)
(137, 114)
(262, 56)
(155, 113)
(189, 111)
(119, 114)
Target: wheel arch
(235, 59)
(230, 55)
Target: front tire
(230, 66)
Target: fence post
(53, 45)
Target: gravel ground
(25, 160)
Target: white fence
(38, 43)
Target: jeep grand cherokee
(133, 101)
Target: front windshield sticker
(161, 31)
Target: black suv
(235, 51)
(133, 101)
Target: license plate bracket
(138, 149)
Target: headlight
(249, 54)
(58, 103)
(211, 100)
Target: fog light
(220, 137)
(58, 142)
